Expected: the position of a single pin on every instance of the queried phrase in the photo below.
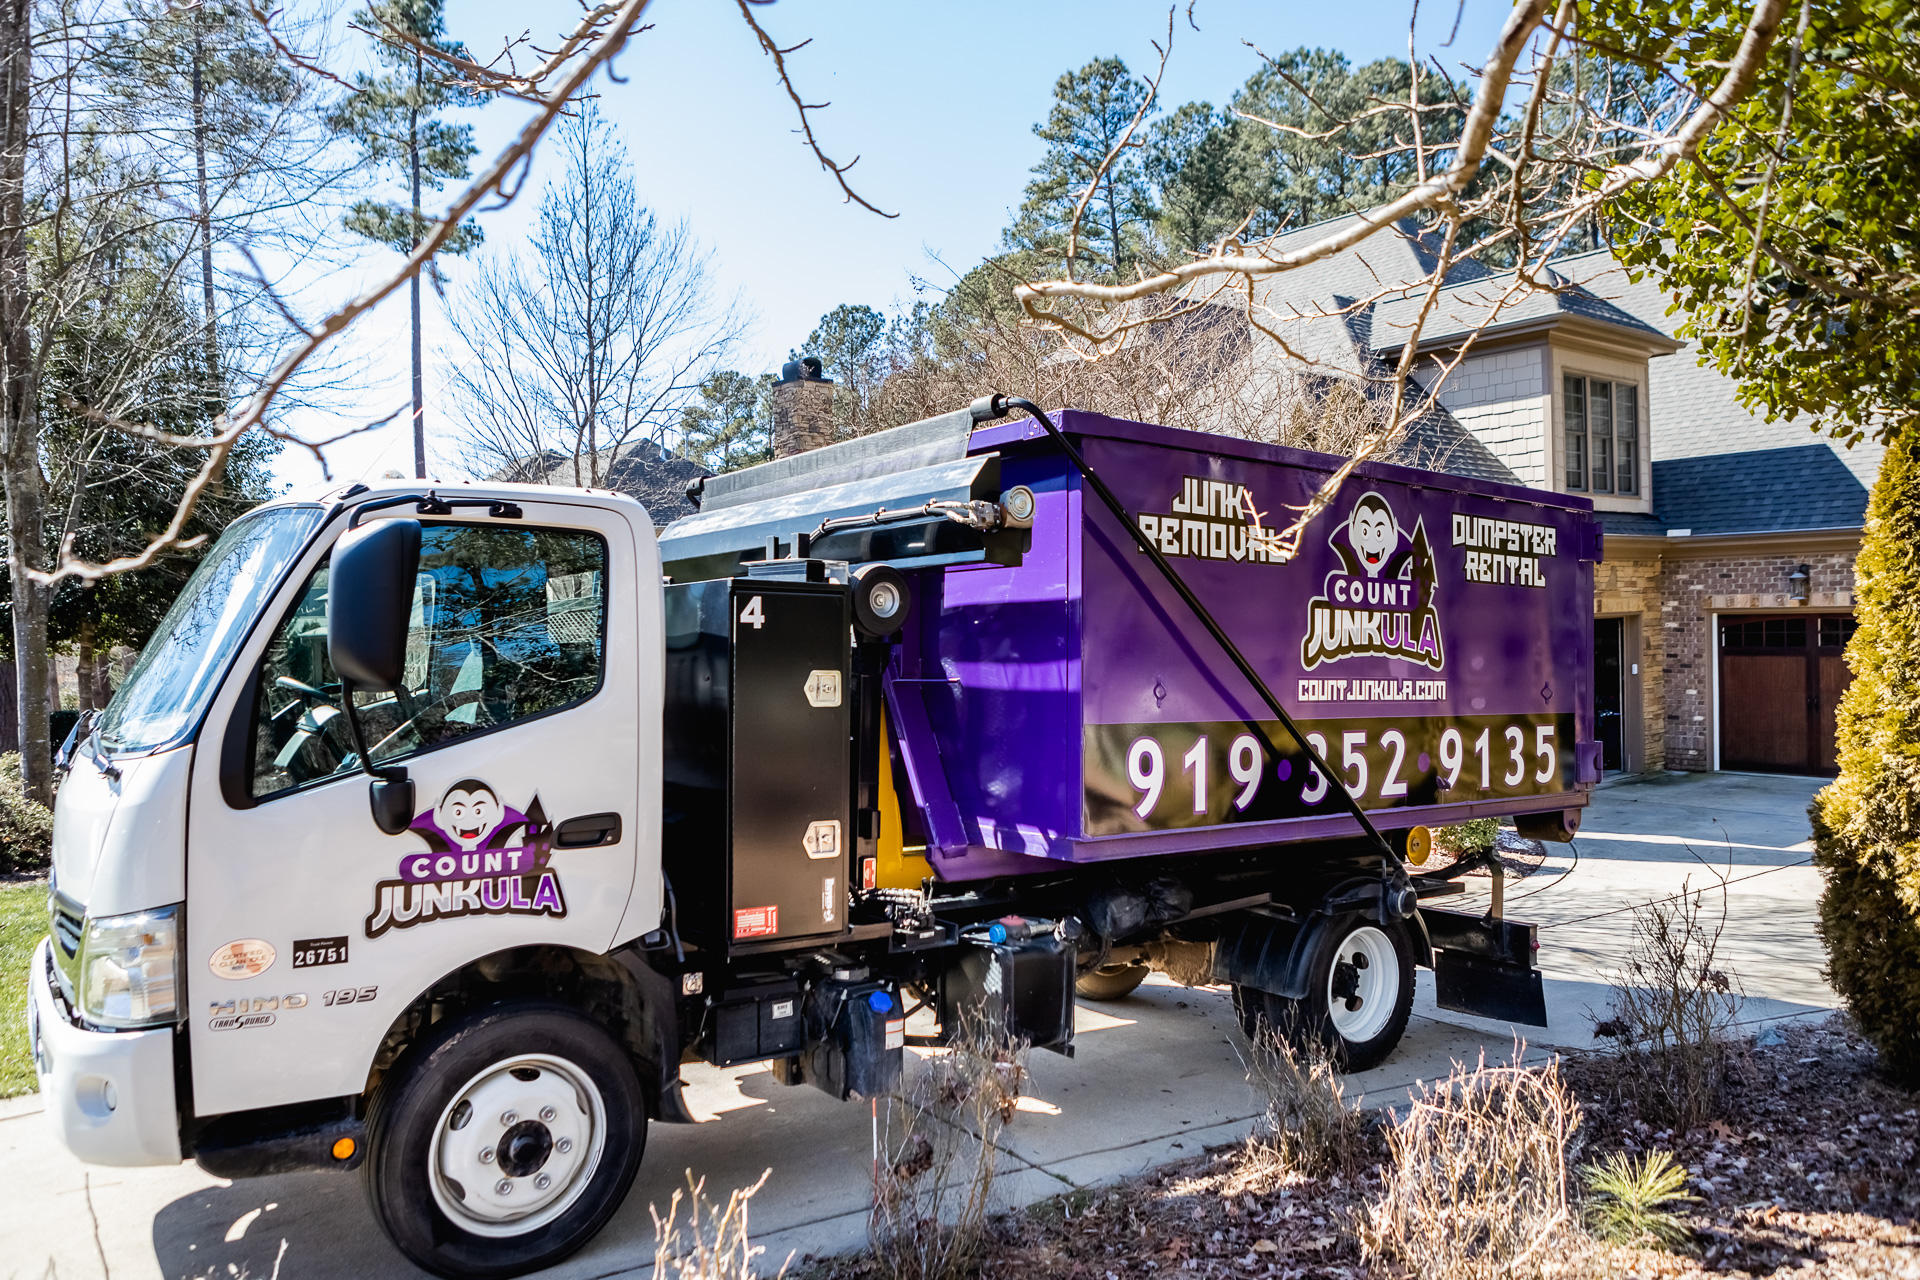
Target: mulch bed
(1811, 1172)
(1812, 1165)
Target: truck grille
(66, 929)
(68, 922)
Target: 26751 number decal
(1182, 775)
(312, 952)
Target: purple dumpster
(1432, 638)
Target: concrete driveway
(1154, 1080)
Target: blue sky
(938, 100)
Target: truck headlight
(127, 969)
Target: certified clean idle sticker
(242, 958)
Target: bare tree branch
(801, 106)
(600, 35)
(1552, 176)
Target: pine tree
(393, 120)
(228, 120)
(1092, 108)
(1866, 824)
(732, 424)
(1201, 167)
(1366, 161)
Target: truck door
(531, 702)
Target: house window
(1603, 436)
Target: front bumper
(110, 1094)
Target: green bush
(1866, 824)
(26, 828)
(1631, 1202)
(1465, 839)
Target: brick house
(1725, 597)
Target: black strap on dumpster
(998, 406)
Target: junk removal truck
(439, 825)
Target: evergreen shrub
(1866, 823)
(26, 827)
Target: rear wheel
(523, 1126)
(1359, 995)
(1110, 982)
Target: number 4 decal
(754, 615)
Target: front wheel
(504, 1141)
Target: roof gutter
(1668, 544)
(1654, 343)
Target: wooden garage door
(1780, 679)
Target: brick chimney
(802, 408)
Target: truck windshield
(169, 686)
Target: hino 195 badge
(482, 858)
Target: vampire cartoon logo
(481, 858)
(1379, 602)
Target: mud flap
(1488, 988)
(1485, 967)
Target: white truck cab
(233, 933)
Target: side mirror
(392, 801)
(370, 602)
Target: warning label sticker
(756, 922)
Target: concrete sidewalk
(1155, 1078)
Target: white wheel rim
(1363, 985)
(517, 1146)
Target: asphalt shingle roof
(644, 471)
(1759, 491)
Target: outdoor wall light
(1797, 585)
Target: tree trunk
(216, 380)
(19, 423)
(419, 383)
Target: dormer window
(1603, 436)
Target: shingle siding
(1497, 396)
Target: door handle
(588, 832)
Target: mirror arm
(390, 791)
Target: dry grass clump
(1309, 1126)
(709, 1243)
(1476, 1183)
(1673, 1009)
(935, 1157)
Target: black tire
(1111, 982)
(1355, 1037)
(469, 1058)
